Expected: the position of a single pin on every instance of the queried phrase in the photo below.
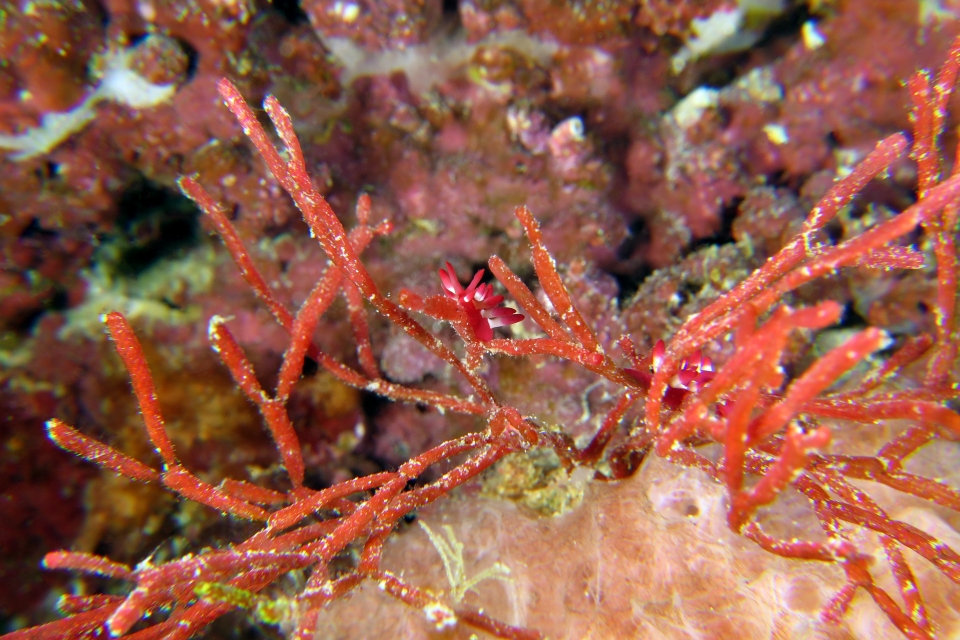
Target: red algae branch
(758, 434)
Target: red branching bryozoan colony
(771, 431)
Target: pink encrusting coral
(788, 462)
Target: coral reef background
(666, 147)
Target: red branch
(771, 430)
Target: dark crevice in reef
(629, 281)
(724, 234)
(193, 59)
(291, 11)
(720, 70)
(851, 319)
(786, 26)
(154, 222)
(23, 323)
(371, 406)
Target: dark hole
(314, 480)
(24, 320)
(291, 11)
(48, 171)
(371, 405)
(718, 77)
(629, 282)
(724, 234)
(691, 510)
(474, 268)
(193, 58)
(787, 24)
(851, 319)
(778, 179)
(102, 548)
(59, 301)
(691, 289)
(155, 222)
(34, 230)
(834, 231)
(310, 367)
(688, 290)
(171, 304)
(639, 233)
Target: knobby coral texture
(709, 390)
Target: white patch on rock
(119, 83)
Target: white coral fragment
(690, 110)
(726, 30)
